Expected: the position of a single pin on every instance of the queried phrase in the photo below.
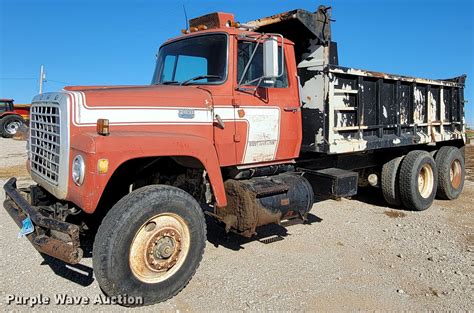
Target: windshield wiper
(170, 82)
(198, 78)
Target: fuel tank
(265, 200)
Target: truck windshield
(195, 60)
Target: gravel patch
(353, 255)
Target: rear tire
(451, 172)
(389, 183)
(418, 180)
(9, 125)
(149, 244)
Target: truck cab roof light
(213, 20)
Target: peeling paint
(418, 115)
(358, 110)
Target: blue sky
(114, 42)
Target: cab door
(268, 117)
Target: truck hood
(132, 105)
(152, 96)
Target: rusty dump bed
(349, 110)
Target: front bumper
(19, 208)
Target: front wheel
(149, 244)
(9, 125)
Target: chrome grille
(45, 139)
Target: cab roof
(217, 22)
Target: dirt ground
(353, 255)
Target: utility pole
(42, 79)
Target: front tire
(418, 180)
(9, 125)
(149, 244)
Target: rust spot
(378, 74)
(274, 19)
(432, 133)
(285, 201)
(241, 113)
(394, 214)
(57, 249)
(289, 214)
(243, 212)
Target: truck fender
(10, 113)
(122, 146)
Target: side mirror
(270, 58)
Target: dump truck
(243, 122)
(12, 117)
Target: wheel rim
(425, 181)
(159, 248)
(455, 174)
(12, 127)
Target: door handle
(292, 109)
(220, 123)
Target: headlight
(78, 170)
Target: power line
(18, 78)
(59, 82)
(31, 78)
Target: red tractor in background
(12, 117)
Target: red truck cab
(224, 123)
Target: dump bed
(348, 110)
